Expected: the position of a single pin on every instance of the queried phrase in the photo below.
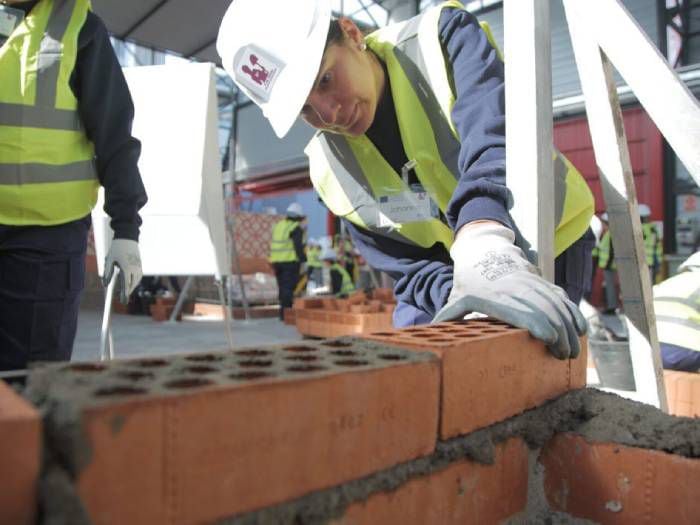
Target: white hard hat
(295, 210)
(273, 51)
(644, 210)
(329, 255)
(596, 226)
(691, 263)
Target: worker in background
(605, 254)
(346, 255)
(287, 254)
(65, 129)
(313, 262)
(677, 308)
(411, 154)
(341, 283)
(653, 246)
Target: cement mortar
(62, 394)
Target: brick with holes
(490, 371)
(20, 453)
(196, 438)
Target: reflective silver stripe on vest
(17, 174)
(447, 144)
(49, 60)
(560, 171)
(23, 116)
(349, 175)
(680, 322)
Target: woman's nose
(325, 108)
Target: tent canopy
(182, 26)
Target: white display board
(176, 120)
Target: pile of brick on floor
(456, 423)
(361, 313)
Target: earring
(363, 46)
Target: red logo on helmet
(258, 72)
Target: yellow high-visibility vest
(677, 309)
(346, 286)
(352, 176)
(282, 245)
(47, 168)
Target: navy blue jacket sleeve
(107, 112)
(423, 276)
(297, 237)
(479, 118)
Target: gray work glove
(493, 277)
(125, 254)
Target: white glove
(125, 254)
(493, 277)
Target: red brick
(464, 493)
(20, 453)
(683, 392)
(192, 455)
(490, 371)
(333, 323)
(619, 485)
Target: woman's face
(347, 89)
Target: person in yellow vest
(65, 129)
(341, 283)
(653, 246)
(677, 309)
(313, 262)
(287, 254)
(605, 254)
(410, 153)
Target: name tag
(404, 207)
(10, 18)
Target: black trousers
(287, 274)
(42, 273)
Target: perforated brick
(464, 493)
(490, 370)
(20, 453)
(620, 485)
(195, 438)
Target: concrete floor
(138, 336)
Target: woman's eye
(325, 79)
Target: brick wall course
(464, 493)
(196, 438)
(20, 454)
(620, 485)
(490, 370)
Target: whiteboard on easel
(176, 120)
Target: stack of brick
(361, 313)
(357, 431)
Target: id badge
(10, 18)
(405, 207)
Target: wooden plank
(612, 157)
(529, 165)
(667, 100)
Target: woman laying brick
(411, 154)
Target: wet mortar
(61, 392)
